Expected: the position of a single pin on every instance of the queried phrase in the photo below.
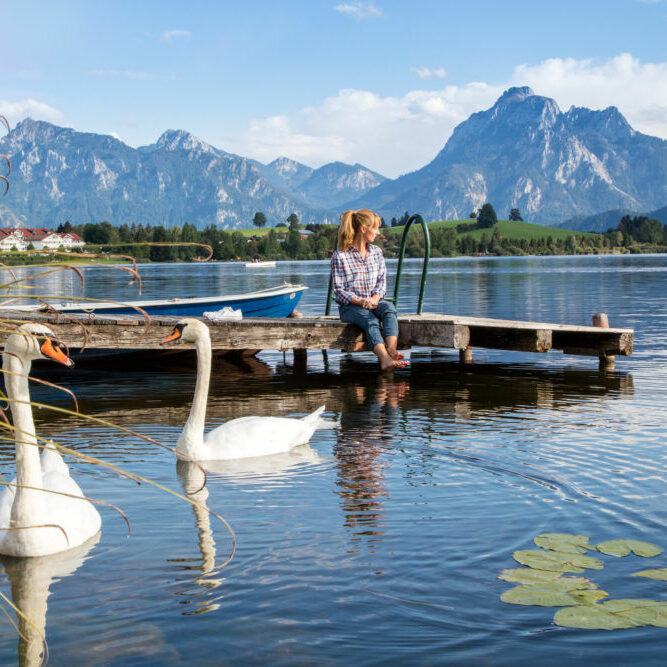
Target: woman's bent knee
(385, 308)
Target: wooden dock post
(300, 360)
(607, 362)
(465, 355)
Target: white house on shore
(40, 237)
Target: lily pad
(624, 547)
(564, 542)
(660, 573)
(588, 596)
(593, 617)
(565, 584)
(550, 595)
(543, 560)
(527, 575)
(542, 583)
(655, 615)
(557, 561)
(617, 606)
(643, 612)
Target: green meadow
(507, 229)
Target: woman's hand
(369, 303)
(366, 303)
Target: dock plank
(329, 333)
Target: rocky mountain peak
(609, 122)
(30, 131)
(180, 140)
(287, 173)
(515, 94)
(523, 106)
(285, 166)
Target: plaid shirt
(357, 278)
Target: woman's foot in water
(392, 348)
(393, 364)
(387, 362)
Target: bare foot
(396, 355)
(394, 364)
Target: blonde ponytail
(351, 222)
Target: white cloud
(391, 135)
(130, 74)
(430, 73)
(274, 136)
(176, 34)
(638, 89)
(29, 108)
(394, 135)
(359, 10)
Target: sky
(378, 82)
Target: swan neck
(192, 436)
(27, 504)
(28, 468)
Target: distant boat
(272, 302)
(259, 264)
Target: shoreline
(106, 261)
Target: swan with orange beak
(244, 437)
(36, 519)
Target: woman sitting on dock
(360, 283)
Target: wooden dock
(328, 333)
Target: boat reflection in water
(31, 580)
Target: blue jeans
(369, 320)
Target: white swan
(26, 508)
(239, 438)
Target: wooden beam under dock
(329, 333)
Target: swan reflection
(256, 470)
(259, 469)
(30, 580)
(192, 480)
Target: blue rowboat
(272, 302)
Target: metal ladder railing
(399, 269)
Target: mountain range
(601, 222)
(524, 152)
(521, 153)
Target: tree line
(633, 234)
(279, 243)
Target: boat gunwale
(87, 306)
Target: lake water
(381, 541)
